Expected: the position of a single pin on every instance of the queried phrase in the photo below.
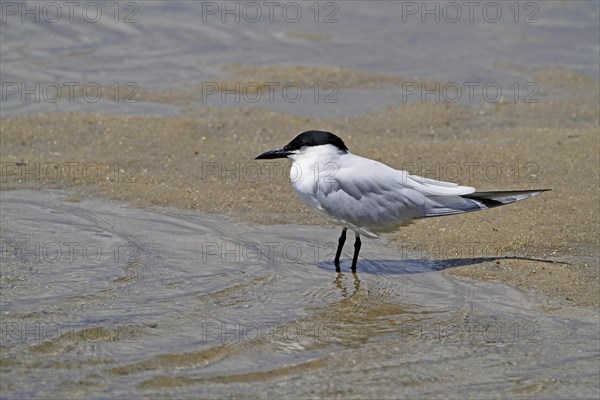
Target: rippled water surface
(100, 299)
(177, 45)
(103, 299)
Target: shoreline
(204, 160)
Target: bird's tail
(481, 201)
(502, 197)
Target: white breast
(312, 170)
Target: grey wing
(373, 196)
(378, 200)
(481, 201)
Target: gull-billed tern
(369, 197)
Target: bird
(369, 197)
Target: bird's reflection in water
(339, 283)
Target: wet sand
(203, 160)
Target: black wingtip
(502, 193)
(493, 199)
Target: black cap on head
(308, 138)
(315, 138)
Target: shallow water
(102, 299)
(178, 45)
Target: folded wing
(483, 200)
(371, 197)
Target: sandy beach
(204, 160)
(146, 253)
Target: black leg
(341, 242)
(356, 251)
